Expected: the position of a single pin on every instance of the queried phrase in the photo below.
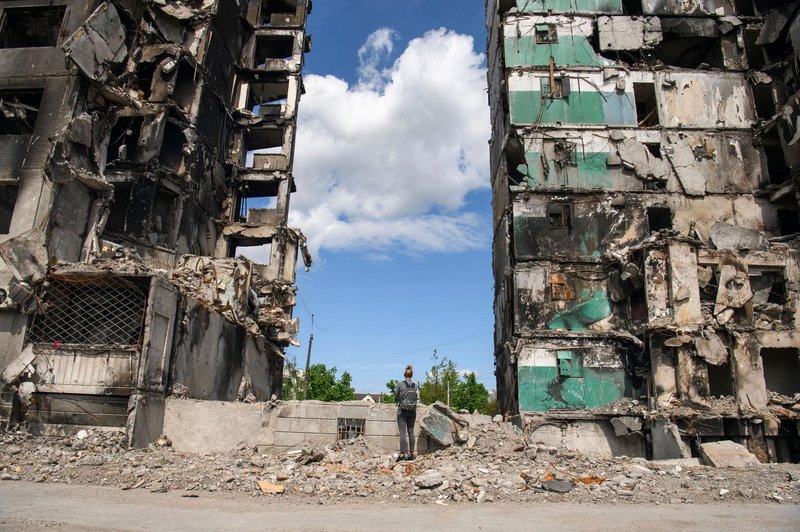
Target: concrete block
(293, 409)
(667, 442)
(283, 424)
(727, 454)
(212, 426)
(381, 428)
(319, 410)
(319, 438)
(589, 437)
(352, 411)
(289, 439)
(382, 413)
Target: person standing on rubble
(406, 397)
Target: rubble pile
(495, 464)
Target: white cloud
(384, 165)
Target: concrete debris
(667, 441)
(352, 470)
(727, 454)
(711, 349)
(443, 425)
(635, 156)
(98, 44)
(628, 33)
(26, 256)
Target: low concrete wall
(588, 437)
(216, 426)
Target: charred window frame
(19, 110)
(559, 91)
(91, 311)
(559, 215)
(545, 34)
(31, 27)
(8, 199)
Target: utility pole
(308, 360)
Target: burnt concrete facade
(146, 154)
(645, 168)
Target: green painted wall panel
(610, 7)
(568, 51)
(590, 171)
(587, 108)
(541, 388)
(588, 308)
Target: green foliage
(292, 385)
(392, 386)
(439, 380)
(323, 386)
(491, 408)
(469, 395)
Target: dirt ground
(33, 507)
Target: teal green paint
(568, 51)
(590, 171)
(542, 388)
(577, 108)
(590, 308)
(611, 7)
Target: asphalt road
(28, 506)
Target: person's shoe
(401, 457)
(410, 458)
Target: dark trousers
(405, 423)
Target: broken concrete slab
(727, 236)
(26, 256)
(710, 348)
(727, 454)
(667, 442)
(626, 425)
(19, 365)
(629, 33)
(98, 44)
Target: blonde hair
(409, 372)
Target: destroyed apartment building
(645, 164)
(145, 172)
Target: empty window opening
(765, 6)
(186, 86)
(787, 444)
(349, 428)
(18, 111)
(8, 198)
(745, 8)
(777, 168)
(720, 380)
(788, 221)
(124, 138)
(119, 212)
(765, 103)
(559, 90)
(695, 46)
(268, 99)
(755, 53)
(654, 148)
(559, 215)
(632, 7)
(646, 105)
(708, 278)
(144, 78)
(257, 250)
(172, 147)
(31, 27)
(107, 311)
(256, 202)
(781, 368)
(278, 12)
(659, 218)
(768, 287)
(162, 217)
(515, 158)
(546, 34)
(273, 47)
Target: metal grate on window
(348, 429)
(107, 311)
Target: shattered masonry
(145, 149)
(645, 164)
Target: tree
(440, 381)
(323, 386)
(392, 386)
(292, 385)
(470, 395)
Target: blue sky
(393, 189)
